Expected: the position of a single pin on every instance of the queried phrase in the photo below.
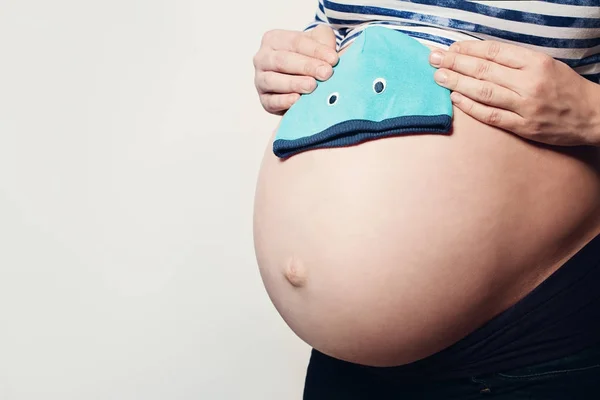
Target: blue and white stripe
(568, 30)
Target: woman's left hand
(522, 91)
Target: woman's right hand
(288, 64)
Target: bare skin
(389, 251)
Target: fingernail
(323, 72)
(440, 76)
(456, 97)
(436, 58)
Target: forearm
(595, 119)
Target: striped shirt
(568, 30)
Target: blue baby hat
(382, 86)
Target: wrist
(594, 100)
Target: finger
(505, 54)
(476, 67)
(294, 64)
(297, 42)
(318, 44)
(324, 35)
(493, 116)
(277, 103)
(274, 82)
(481, 91)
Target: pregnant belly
(389, 251)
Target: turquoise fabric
(380, 58)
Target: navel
(295, 272)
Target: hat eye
(379, 85)
(333, 98)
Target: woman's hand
(520, 90)
(288, 64)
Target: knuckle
(467, 105)
(455, 81)
(274, 103)
(545, 62)
(317, 52)
(521, 127)
(289, 101)
(297, 43)
(279, 61)
(494, 117)
(285, 102)
(304, 85)
(537, 88)
(265, 38)
(282, 102)
(268, 36)
(534, 128)
(534, 108)
(482, 70)
(257, 82)
(469, 108)
(485, 93)
(296, 85)
(256, 60)
(493, 50)
(265, 81)
(451, 60)
(308, 69)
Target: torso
(389, 251)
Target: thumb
(323, 34)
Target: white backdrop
(130, 141)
